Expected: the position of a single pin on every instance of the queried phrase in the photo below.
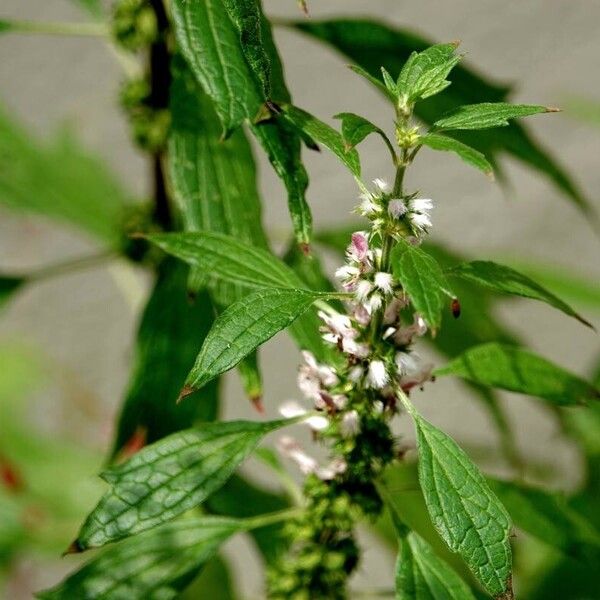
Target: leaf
(422, 279)
(424, 73)
(374, 81)
(59, 180)
(422, 575)
(213, 181)
(517, 370)
(155, 564)
(215, 581)
(244, 326)
(372, 44)
(547, 516)
(169, 477)
(323, 133)
(168, 340)
(501, 278)
(228, 259)
(487, 115)
(251, 377)
(356, 128)
(8, 286)
(464, 510)
(469, 155)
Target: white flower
(420, 204)
(291, 449)
(373, 303)
(336, 467)
(350, 424)
(291, 409)
(348, 275)
(368, 207)
(361, 315)
(377, 376)
(421, 221)
(355, 374)
(339, 401)
(396, 208)
(388, 332)
(312, 376)
(363, 288)
(382, 186)
(406, 363)
(417, 378)
(384, 282)
(338, 325)
(349, 346)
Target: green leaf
(59, 180)
(517, 370)
(244, 326)
(251, 377)
(500, 278)
(424, 73)
(8, 286)
(548, 517)
(169, 477)
(374, 81)
(469, 155)
(487, 115)
(422, 575)
(155, 564)
(215, 582)
(356, 128)
(422, 279)
(372, 44)
(323, 133)
(464, 510)
(168, 340)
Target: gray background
(85, 322)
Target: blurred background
(66, 340)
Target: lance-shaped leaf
(156, 564)
(487, 115)
(469, 155)
(517, 370)
(168, 340)
(356, 128)
(503, 279)
(244, 326)
(325, 134)
(375, 81)
(422, 575)
(168, 478)
(548, 517)
(372, 44)
(422, 279)
(463, 508)
(424, 73)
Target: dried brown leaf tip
(185, 391)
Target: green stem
(272, 518)
(52, 28)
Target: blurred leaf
(487, 115)
(465, 512)
(214, 582)
(501, 278)
(8, 286)
(244, 326)
(59, 180)
(168, 340)
(94, 7)
(517, 370)
(251, 377)
(155, 564)
(187, 467)
(325, 134)
(466, 153)
(371, 45)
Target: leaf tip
(456, 43)
(74, 548)
(553, 109)
(258, 404)
(304, 248)
(186, 390)
(455, 308)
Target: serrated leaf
(469, 155)
(372, 44)
(424, 73)
(422, 279)
(548, 517)
(169, 477)
(8, 286)
(464, 510)
(323, 133)
(244, 326)
(487, 115)
(422, 575)
(356, 128)
(156, 564)
(501, 278)
(169, 337)
(517, 370)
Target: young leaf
(374, 81)
(424, 73)
(244, 326)
(356, 128)
(169, 477)
(422, 279)
(487, 115)
(469, 155)
(323, 133)
(168, 340)
(464, 510)
(422, 575)
(517, 370)
(159, 563)
(500, 278)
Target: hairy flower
(291, 409)
(377, 376)
(350, 424)
(384, 282)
